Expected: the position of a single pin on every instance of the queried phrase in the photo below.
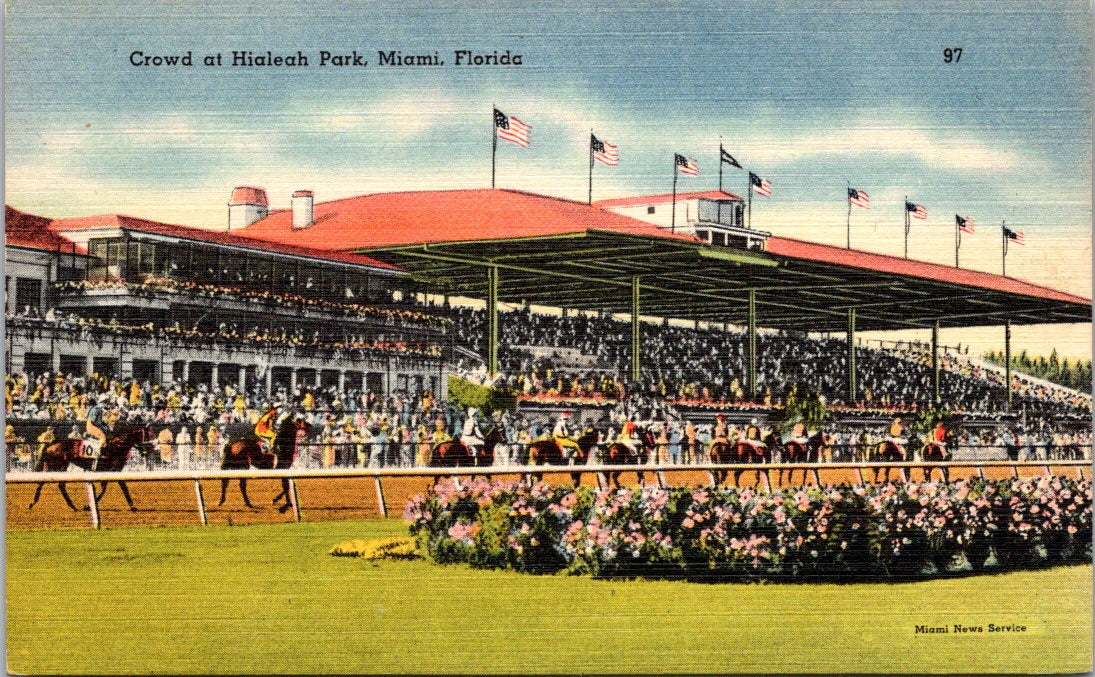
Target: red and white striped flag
(1015, 236)
(604, 152)
(859, 198)
(509, 128)
(760, 186)
(965, 223)
(687, 165)
(918, 211)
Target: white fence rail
(601, 472)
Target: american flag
(918, 211)
(511, 129)
(965, 223)
(859, 198)
(687, 165)
(1015, 236)
(760, 186)
(604, 152)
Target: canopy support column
(492, 320)
(636, 371)
(751, 375)
(1007, 360)
(853, 395)
(935, 363)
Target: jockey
(897, 434)
(472, 435)
(627, 436)
(721, 432)
(752, 431)
(101, 420)
(563, 436)
(798, 434)
(266, 428)
(939, 437)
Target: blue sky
(808, 95)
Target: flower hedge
(858, 532)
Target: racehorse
(249, 452)
(550, 452)
(887, 451)
(620, 454)
(456, 454)
(804, 451)
(749, 451)
(934, 452)
(113, 456)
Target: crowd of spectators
(151, 286)
(704, 365)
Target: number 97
(952, 54)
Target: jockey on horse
(472, 434)
(893, 447)
(101, 420)
(936, 450)
(568, 445)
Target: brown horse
(809, 450)
(250, 452)
(57, 456)
(887, 451)
(620, 454)
(935, 452)
(750, 451)
(550, 452)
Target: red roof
(147, 226)
(303, 193)
(415, 217)
(639, 200)
(249, 195)
(811, 251)
(27, 230)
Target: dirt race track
(174, 501)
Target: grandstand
(333, 308)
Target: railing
(526, 472)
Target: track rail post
(93, 505)
(381, 507)
(201, 501)
(294, 499)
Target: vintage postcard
(526, 337)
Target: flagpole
(719, 164)
(673, 219)
(494, 141)
(749, 179)
(905, 207)
(957, 241)
(590, 166)
(1004, 256)
(848, 196)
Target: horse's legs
(285, 493)
(224, 488)
(125, 492)
(243, 492)
(102, 492)
(37, 495)
(64, 494)
(576, 478)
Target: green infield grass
(269, 599)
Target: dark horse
(249, 452)
(457, 454)
(934, 452)
(887, 451)
(620, 454)
(550, 452)
(748, 451)
(803, 451)
(57, 456)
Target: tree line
(1073, 374)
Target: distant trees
(1064, 372)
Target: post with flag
(856, 198)
(603, 152)
(962, 224)
(681, 165)
(761, 187)
(507, 128)
(725, 158)
(1010, 235)
(915, 211)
